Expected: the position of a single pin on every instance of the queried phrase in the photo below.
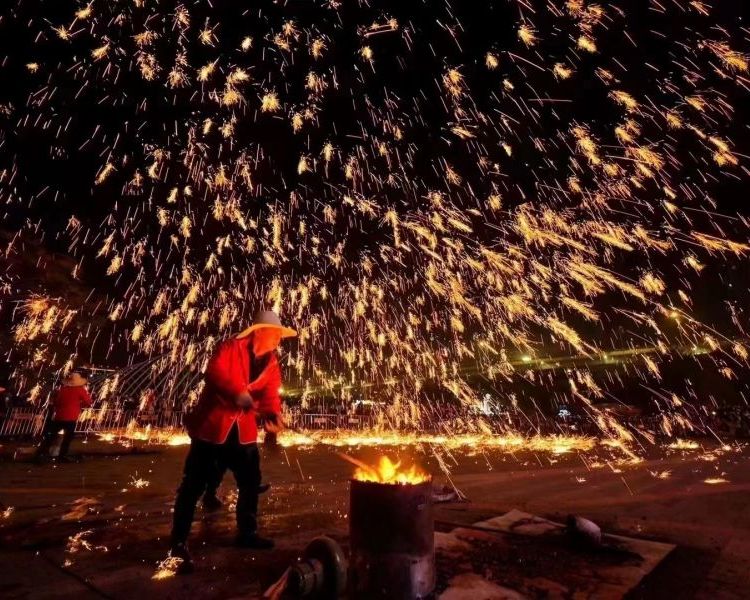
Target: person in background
(4, 402)
(67, 404)
(242, 381)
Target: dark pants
(200, 470)
(50, 435)
(212, 488)
(214, 481)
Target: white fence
(330, 421)
(22, 422)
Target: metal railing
(327, 422)
(29, 422)
(23, 422)
(110, 419)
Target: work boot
(186, 565)
(253, 541)
(211, 503)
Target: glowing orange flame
(388, 472)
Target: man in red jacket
(67, 404)
(242, 381)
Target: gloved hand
(245, 400)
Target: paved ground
(98, 528)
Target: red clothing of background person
(69, 401)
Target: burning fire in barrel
(391, 532)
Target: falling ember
(270, 102)
(387, 472)
(527, 34)
(684, 445)
(586, 43)
(167, 568)
(139, 483)
(715, 480)
(79, 542)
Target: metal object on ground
(392, 537)
(583, 531)
(321, 573)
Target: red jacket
(69, 401)
(227, 375)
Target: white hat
(74, 380)
(267, 318)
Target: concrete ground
(98, 529)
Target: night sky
(410, 143)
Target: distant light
(526, 358)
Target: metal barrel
(392, 539)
